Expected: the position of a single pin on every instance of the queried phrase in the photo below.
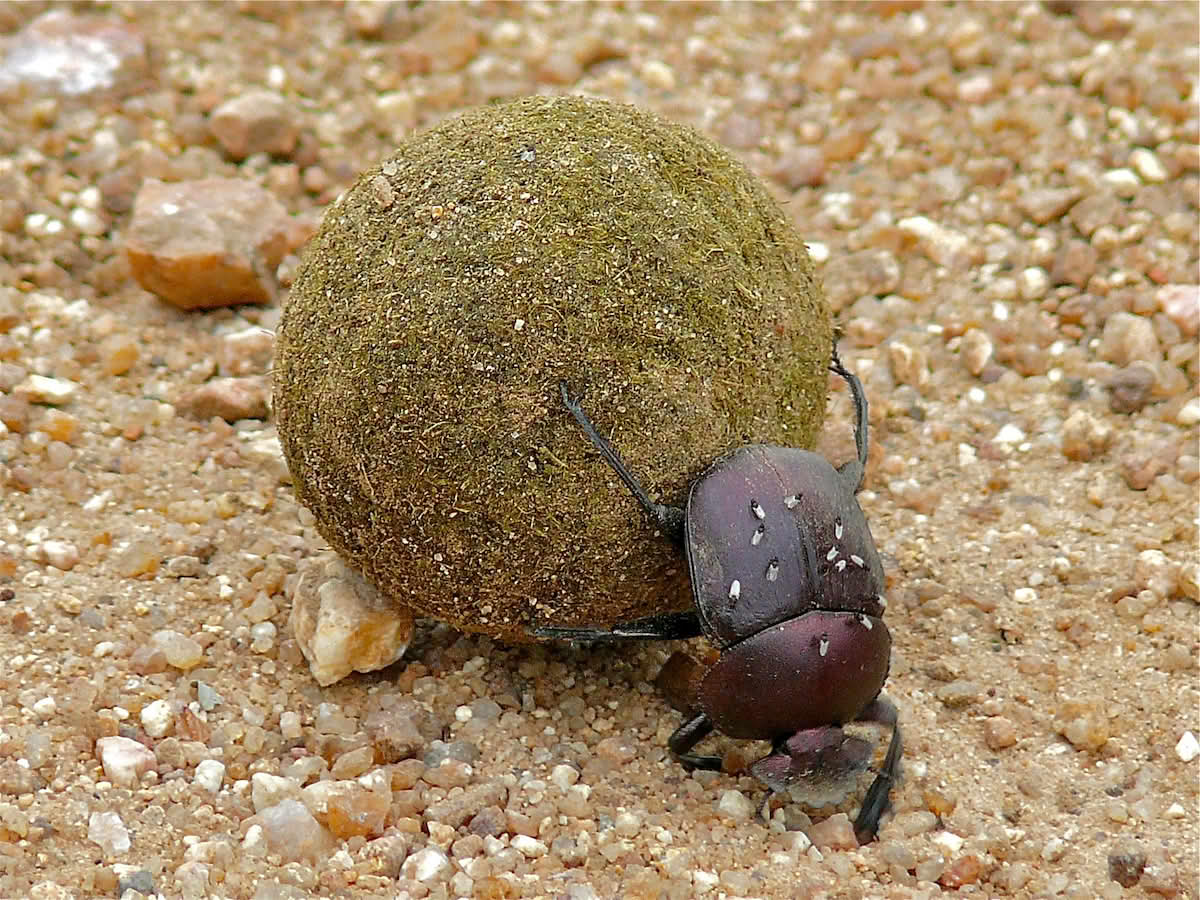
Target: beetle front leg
(878, 797)
(687, 736)
(826, 751)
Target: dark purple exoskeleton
(789, 587)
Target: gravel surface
(1002, 203)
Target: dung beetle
(788, 586)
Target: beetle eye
(756, 538)
(772, 570)
(757, 510)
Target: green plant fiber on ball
(448, 292)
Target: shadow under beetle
(789, 587)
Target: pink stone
(835, 833)
(207, 243)
(257, 121)
(232, 399)
(1181, 303)
(73, 56)
(124, 759)
(292, 832)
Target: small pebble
(849, 276)
(1047, 204)
(207, 697)
(51, 391)
(342, 624)
(1126, 867)
(1128, 338)
(909, 364)
(1131, 388)
(118, 354)
(108, 831)
(124, 759)
(1084, 724)
(210, 775)
(181, 651)
(800, 167)
(231, 399)
(269, 790)
(564, 776)
(1148, 165)
(962, 871)
(290, 830)
(1189, 413)
(916, 822)
(834, 833)
(941, 245)
(1181, 304)
(999, 732)
(736, 805)
(976, 350)
(1187, 748)
(140, 881)
(157, 718)
(1123, 182)
(353, 763)
(930, 869)
(531, 848)
(258, 121)
(658, 75)
(429, 865)
(1084, 437)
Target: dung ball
(452, 288)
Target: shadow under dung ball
(452, 288)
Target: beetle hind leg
(854, 470)
(668, 518)
(878, 796)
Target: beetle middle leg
(668, 518)
(687, 736)
(666, 627)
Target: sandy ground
(1002, 200)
